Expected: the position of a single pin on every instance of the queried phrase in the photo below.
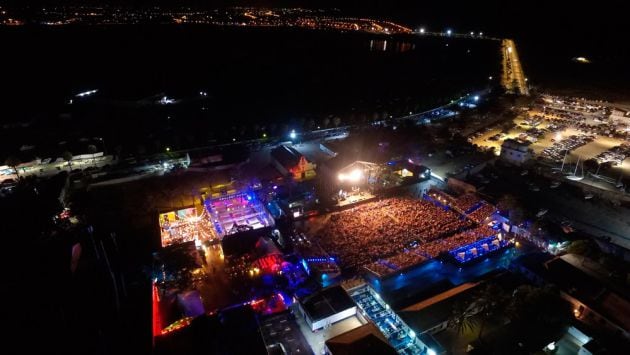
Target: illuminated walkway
(397, 333)
(512, 76)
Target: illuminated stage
(238, 212)
(185, 225)
(355, 183)
(348, 198)
(362, 181)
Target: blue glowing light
(305, 265)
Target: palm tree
(67, 156)
(461, 318)
(517, 215)
(13, 162)
(490, 301)
(326, 122)
(507, 202)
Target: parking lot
(551, 136)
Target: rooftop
(327, 302)
(366, 339)
(286, 156)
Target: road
(512, 77)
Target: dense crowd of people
(437, 247)
(469, 204)
(480, 214)
(381, 229)
(466, 201)
(429, 250)
(405, 259)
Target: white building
(327, 307)
(515, 152)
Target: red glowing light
(157, 321)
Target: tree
(537, 227)
(326, 122)
(517, 215)
(92, 149)
(507, 126)
(13, 162)
(490, 301)
(141, 149)
(118, 149)
(310, 125)
(67, 156)
(539, 308)
(461, 318)
(580, 247)
(507, 202)
(337, 121)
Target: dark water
(259, 80)
(250, 73)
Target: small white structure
(515, 152)
(327, 307)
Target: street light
(168, 149)
(292, 134)
(104, 146)
(448, 32)
(476, 98)
(422, 30)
